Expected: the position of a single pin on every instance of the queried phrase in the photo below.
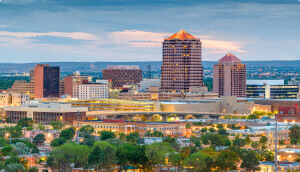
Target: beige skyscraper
(229, 77)
(182, 63)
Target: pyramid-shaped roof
(181, 35)
(229, 57)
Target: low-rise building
(44, 113)
(13, 99)
(126, 127)
(288, 114)
(49, 134)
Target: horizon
(64, 30)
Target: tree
(25, 141)
(252, 116)
(41, 127)
(281, 143)
(7, 150)
(39, 138)
(247, 140)
(194, 139)
(14, 132)
(263, 140)
(203, 130)
(25, 122)
(156, 153)
(51, 163)
(239, 142)
(30, 128)
(21, 148)
(250, 161)
(295, 132)
(172, 142)
(255, 145)
(35, 149)
(219, 126)
(222, 132)
(67, 134)
(294, 141)
(185, 152)
(15, 167)
(211, 129)
(227, 142)
(133, 137)
(227, 160)
(87, 129)
(33, 169)
(58, 142)
(103, 158)
(70, 153)
(57, 125)
(154, 134)
(175, 159)
(196, 161)
(3, 142)
(105, 135)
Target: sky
(133, 30)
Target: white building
(145, 84)
(13, 99)
(92, 91)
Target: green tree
(227, 160)
(185, 152)
(57, 125)
(67, 134)
(255, 145)
(263, 140)
(30, 128)
(58, 142)
(33, 169)
(156, 153)
(211, 129)
(172, 141)
(281, 143)
(15, 167)
(21, 148)
(25, 141)
(25, 122)
(295, 132)
(39, 138)
(219, 126)
(103, 158)
(87, 129)
(3, 142)
(41, 127)
(196, 161)
(203, 130)
(175, 159)
(239, 142)
(248, 140)
(7, 150)
(294, 141)
(133, 137)
(250, 161)
(222, 132)
(252, 116)
(154, 134)
(70, 153)
(51, 163)
(105, 135)
(227, 142)
(35, 149)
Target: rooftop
(181, 35)
(230, 57)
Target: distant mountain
(98, 66)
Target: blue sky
(132, 30)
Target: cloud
(71, 35)
(136, 38)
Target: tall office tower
(121, 75)
(182, 63)
(229, 77)
(46, 81)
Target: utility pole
(276, 165)
(78, 125)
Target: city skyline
(52, 31)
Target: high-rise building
(182, 63)
(121, 75)
(46, 81)
(229, 77)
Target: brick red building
(182, 63)
(121, 75)
(288, 114)
(229, 77)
